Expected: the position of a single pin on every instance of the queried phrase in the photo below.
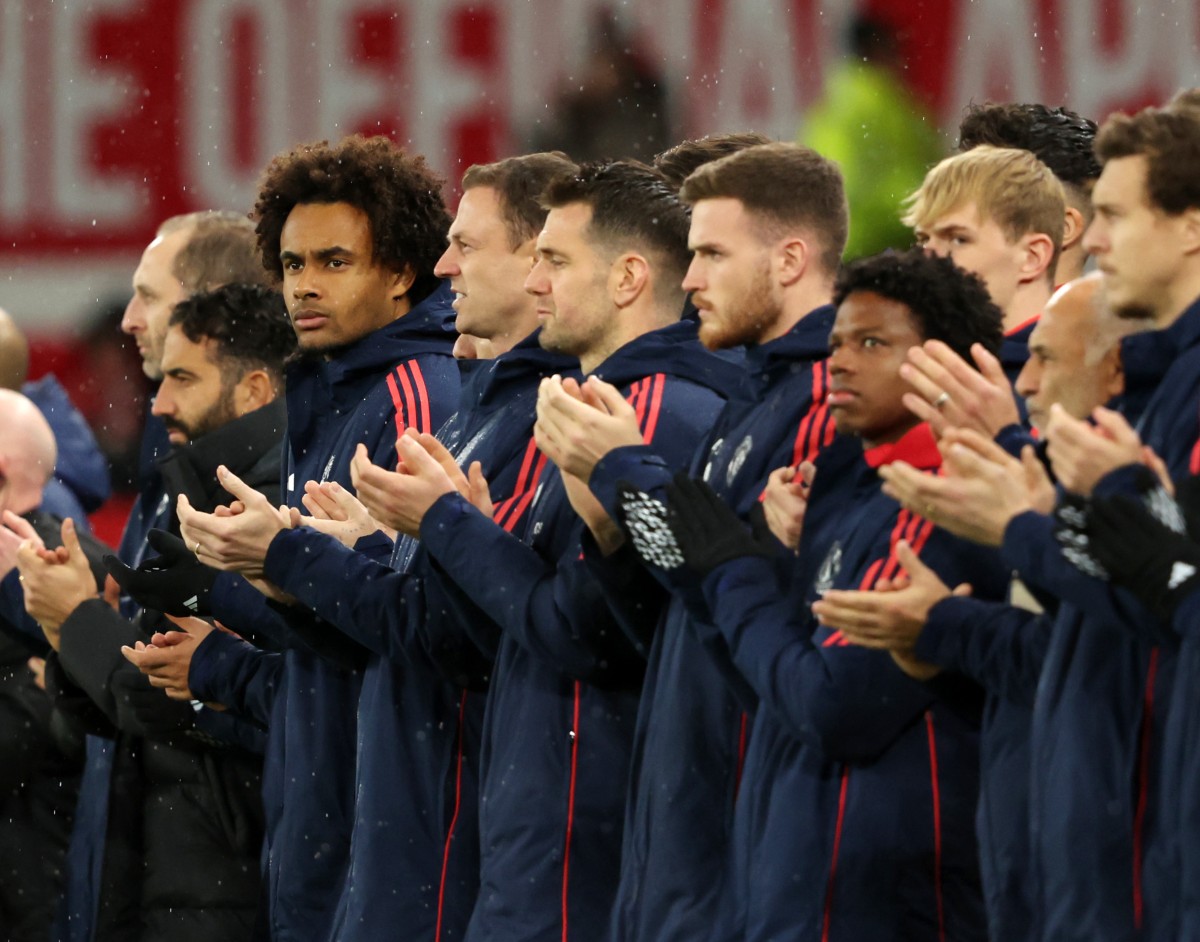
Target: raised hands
(236, 538)
(578, 424)
(1081, 454)
(983, 488)
(891, 616)
(14, 531)
(785, 500)
(424, 472)
(167, 659)
(950, 394)
(56, 582)
(337, 512)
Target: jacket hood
(676, 351)
(808, 340)
(490, 382)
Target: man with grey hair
(1074, 353)
(189, 253)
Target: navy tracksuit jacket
(564, 692)
(414, 852)
(1001, 648)
(693, 718)
(855, 819)
(401, 375)
(1105, 856)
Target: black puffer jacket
(39, 779)
(183, 841)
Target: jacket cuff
(946, 627)
(206, 665)
(628, 463)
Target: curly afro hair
(400, 195)
(949, 304)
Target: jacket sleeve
(999, 646)
(555, 609)
(90, 650)
(364, 599)
(236, 674)
(848, 701)
(1030, 548)
(516, 588)
(240, 607)
(635, 598)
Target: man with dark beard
(173, 787)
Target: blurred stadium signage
(116, 113)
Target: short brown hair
(681, 161)
(1169, 139)
(1010, 187)
(519, 182)
(221, 249)
(785, 186)
(632, 207)
(397, 192)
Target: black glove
(707, 530)
(1152, 560)
(175, 581)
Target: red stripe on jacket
(458, 768)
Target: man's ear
(253, 391)
(1073, 227)
(402, 282)
(1190, 231)
(628, 278)
(792, 257)
(1037, 250)
(1112, 373)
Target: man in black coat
(184, 818)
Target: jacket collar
(1146, 356)
(916, 447)
(239, 445)
(807, 340)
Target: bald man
(1074, 353)
(38, 773)
(27, 457)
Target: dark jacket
(39, 781)
(421, 705)
(564, 692)
(694, 715)
(179, 808)
(81, 480)
(1105, 853)
(1001, 648)
(401, 375)
(855, 819)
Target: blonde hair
(1009, 187)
